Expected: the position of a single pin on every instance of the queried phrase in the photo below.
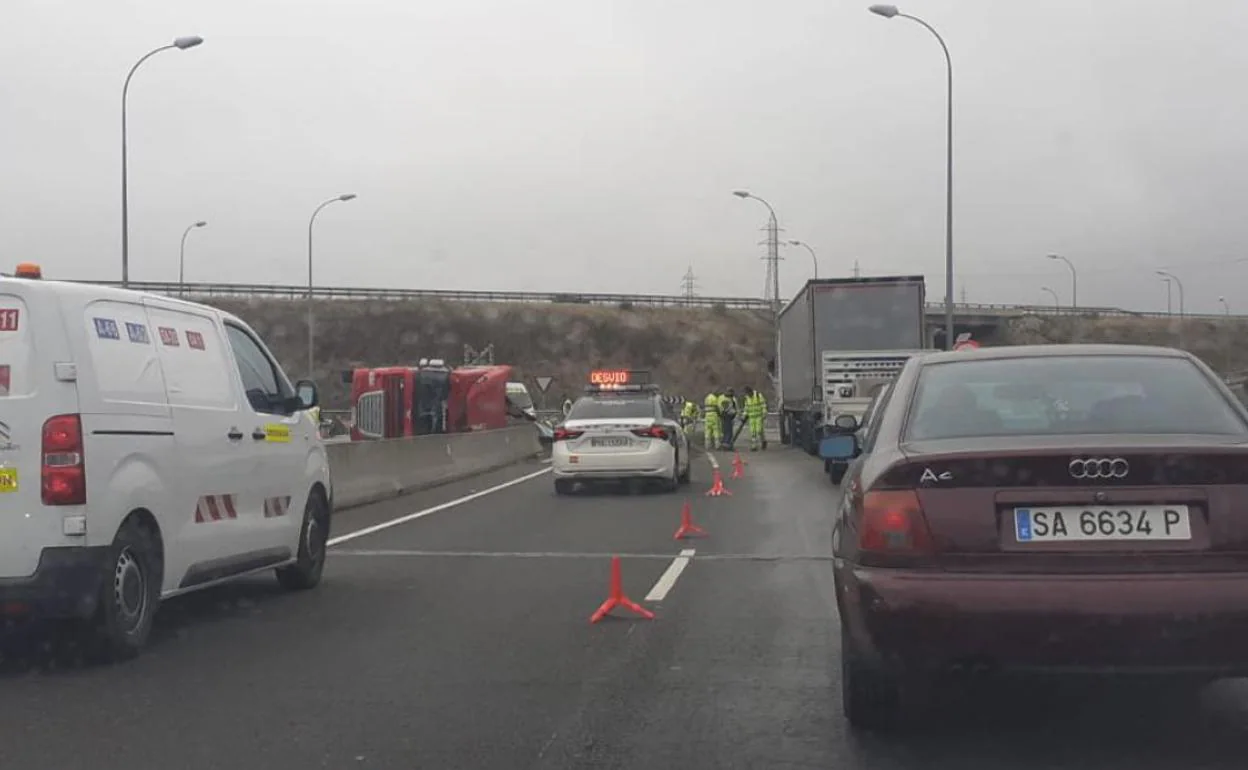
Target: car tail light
(563, 434)
(654, 431)
(63, 474)
(893, 523)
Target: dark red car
(1049, 508)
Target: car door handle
(235, 434)
(258, 434)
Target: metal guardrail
(202, 290)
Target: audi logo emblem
(1099, 468)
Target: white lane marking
(547, 460)
(714, 462)
(396, 552)
(669, 576)
(403, 553)
(434, 509)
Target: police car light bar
(627, 387)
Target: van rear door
(32, 341)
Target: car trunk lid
(1083, 503)
(608, 435)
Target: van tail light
(654, 431)
(893, 524)
(63, 474)
(563, 434)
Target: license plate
(609, 441)
(1074, 524)
(8, 479)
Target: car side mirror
(842, 446)
(307, 394)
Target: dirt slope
(689, 350)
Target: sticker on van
(137, 333)
(169, 336)
(9, 319)
(277, 432)
(106, 329)
(4, 380)
(195, 340)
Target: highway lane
(460, 640)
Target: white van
(148, 447)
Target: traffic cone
(738, 466)
(687, 527)
(616, 597)
(717, 485)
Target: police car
(620, 429)
(148, 447)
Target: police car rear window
(603, 407)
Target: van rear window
(15, 349)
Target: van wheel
(870, 695)
(563, 487)
(129, 595)
(306, 572)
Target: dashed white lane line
(670, 576)
(442, 507)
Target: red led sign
(609, 377)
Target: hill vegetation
(689, 350)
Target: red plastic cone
(616, 597)
(687, 527)
(717, 485)
(738, 466)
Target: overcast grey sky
(593, 145)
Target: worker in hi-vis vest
(756, 416)
(710, 420)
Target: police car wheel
(672, 484)
(686, 473)
(129, 594)
(306, 572)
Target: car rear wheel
(306, 572)
(686, 474)
(870, 695)
(672, 484)
(563, 487)
(129, 595)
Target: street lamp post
(1169, 303)
(1182, 307)
(1177, 282)
(181, 43)
(888, 12)
(1057, 303)
(773, 245)
(182, 254)
(1226, 309)
(1074, 281)
(806, 246)
(312, 221)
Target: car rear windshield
(606, 407)
(1064, 395)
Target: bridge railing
(285, 291)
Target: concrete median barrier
(367, 471)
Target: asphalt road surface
(460, 639)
